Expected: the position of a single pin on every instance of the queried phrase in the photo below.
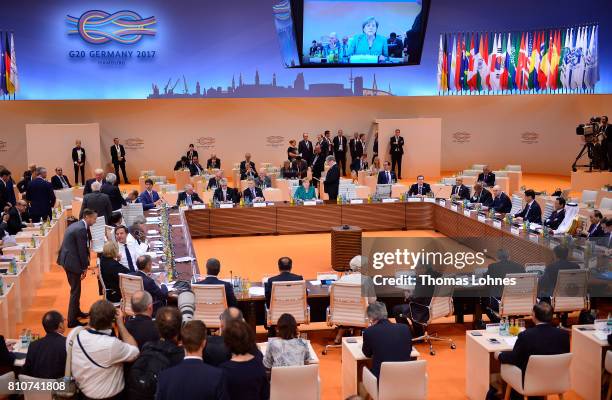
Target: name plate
(515, 231)
(310, 203)
(497, 224)
(356, 201)
(429, 200)
(442, 203)
(454, 207)
(482, 218)
(414, 199)
(226, 205)
(259, 204)
(198, 207)
(467, 213)
(389, 200)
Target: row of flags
(9, 78)
(551, 61)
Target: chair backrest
(589, 196)
(516, 168)
(500, 174)
(441, 304)
(537, 268)
(478, 166)
(548, 209)
(393, 378)
(129, 284)
(4, 381)
(606, 203)
(472, 172)
(36, 394)
(547, 374)
(210, 302)
(347, 305)
(519, 299)
(517, 204)
(570, 292)
(295, 383)
(288, 297)
(608, 361)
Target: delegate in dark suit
(318, 165)
(396, 150)
(416, 190)
(7, 358)
(386, 178)
(549, 279)
(385, 341)
(230, 194)
(484, 197)
(15, 223)
(340, 144)
(284, 276)
(305, 149)
(148, 199)
(118, 158)
(57, 183)
(159, 294)
(74, 257)
(46, 358)
(542, 339)
(229, 290)
(98, 202)
(359, 165)
(555, 219)
(243, 166)
(42, 199)
(502, 203)
(182, 198)
(114, 194)
(248, 194)
(204, 383)
(195, 169)
(461, 191)
(88, 182)
(143, 329)
(110, 270)
(595, 231)
(332, 182)
(488, 178)
(532, 213)
(213, 164)
(79, 165)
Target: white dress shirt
(107, 351)
(136, 250)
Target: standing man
(98, 202)
(78, 159)
(360, 147)
(318, 164)
(397, 152)
(5, 176)
(327, 146)
(244, 164)
(332, 178)
(74, 257)
(353, 146)
(305, 149)
(40, 195)
(606, 143)
(340, 144)
(118, 157)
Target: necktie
(527, 212)
(420, 190)
(64, 184)
(253, 192)
(224, 195)
(129, 258)
(188, 200)
(388, 177)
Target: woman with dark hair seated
(288, 349)
(244, 373)
(110, 268)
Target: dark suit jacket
(337, 144)
(549, 279)
(210, 164)
(396, 146)
(543, 339)
(98, 202)
(356, 165)
(306, 151)
(243, 166)
(207, 383)
(57, 183)
(596, 231)
(41, 197)
(462, 191)
(332, 181)
(46, 357)
(114, 194)
(193, 169)
(353, 147)
(7, 358)
(179, 165)
(318, 165)
(284, 276)
(159, 294)
(502, 203)
(3, 194)
(499, 270)
(115, 156)
(75, 156)
(488, 180)
(385, 341)
(414, 189)
(148, 201)
(110, 270)
(248, 196)
(555, 219)
(74, 252)
(533, 214)
(14, 224)
(143, 329)
(485, 198)
(232, 195)
(192, 153)
(250, 174)
(216, 352)
(88, 182)
(382, 178)
(229, 290)
(182, 196)
(213, 183)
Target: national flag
(544, 70)
(483, 63)
(464, 63)
(3, 90)
(555, 57)
(14, 79)
(471, 72)
(7, 65)
(565, 69)
(507, 75)
(592, 61)
(440, 61)
(445, 66)
(534, 64)
(457, 77)
(500, 59)
(578, 62)
(452, 82)
(521, 62)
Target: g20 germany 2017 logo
(100, 27)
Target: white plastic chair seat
(295, 383)
(606, 203)
(589, 196)
(34, 394)
(478, 166)
(393, 378)
(472, 172)
(210, 302)
(544, 375)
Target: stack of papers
(257, 291)
(510, 341)
(183, 259)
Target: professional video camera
(591, 132)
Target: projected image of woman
(368, 42)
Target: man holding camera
(606, 143)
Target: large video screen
(366, 32)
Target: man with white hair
(501, 201)
(215, 181)
(112, 191)
(263, 180)
(98, 177)
(188, 197)
(486, 177)
(224, 193)
(98, 202)
(40, 195)
(332, 178)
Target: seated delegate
(369, 42)
(305, 191)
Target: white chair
(589, 196)
(537, 268)
(210, 302)
(608, 366)
(517, 204)
(440, 306)
(393, 378)
(295, 383)
(288, 298)
(570, 293)
(500, 174)
(347, 308)
(4, 382)
(544, 375)
(606, 203)
(36, 394)
(479, 167)
(515, 168)
(472, 172)
(519, 299)
(548, 210)
(129, 284)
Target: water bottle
(13, 266)
(503, 327)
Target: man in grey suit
(98, 202)
(74, 257)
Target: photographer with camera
(606, 144)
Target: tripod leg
(578, 157)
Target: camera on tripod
(589, 130)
